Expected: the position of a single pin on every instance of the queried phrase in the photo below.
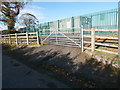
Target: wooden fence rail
(20, 38)
(94, 42)
(33, 37)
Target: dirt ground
(74, 62)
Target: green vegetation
(108, 56)
(108, 48)
(9, 12)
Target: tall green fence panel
(53, 27)
(101, 20)
(65, 25)
(105, 19)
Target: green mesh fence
(101, 20)
(105, 19)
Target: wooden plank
(88, 36)
(16, 38)
(27, 38)
(37, 38)
(21, 34)
(32, 40)
(87, 42)
(108, 45)
(93, 39)
(102, 37)
(3, 35)
(12, 34)
(87, 48)
(32, 33)
(32, 36)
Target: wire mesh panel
(105, 22)
(77, 25)
(65, 26)
(44, 29)
(53, 27)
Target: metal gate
(63, 38)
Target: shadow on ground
(69, 62)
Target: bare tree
(28, 19)
(9, 12)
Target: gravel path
(17, 75)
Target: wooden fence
(94, 42)
(34, 38)
(20, 38)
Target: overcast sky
(50, 11)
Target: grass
(108, 56)
(108, 48)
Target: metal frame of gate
(56, 36)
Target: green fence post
(73, 25)
(58, 27)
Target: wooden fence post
(9, 39)
(37, 38)
(93, 39)
(4, 39)
(1, 40)
(40, 37)
(16, 38)
(82, 44)
(27, 38)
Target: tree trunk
(11, 24)
(11, 27)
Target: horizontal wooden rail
(101, 37)
(20, 38)
(108, 45)
(103, 50)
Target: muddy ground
(68, 63)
